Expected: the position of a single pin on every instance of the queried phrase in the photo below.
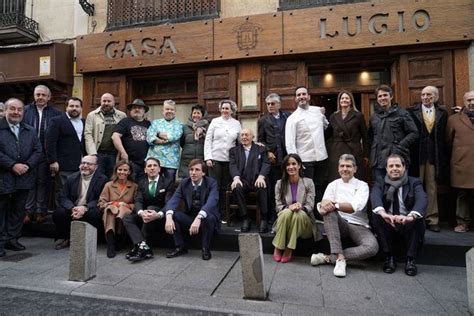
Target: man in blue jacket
(20, 153)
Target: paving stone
(197, 278)
(410, 303)
(295, 291)
(251, 259)
(82, 252)
(470, 278)
(356, 280)
(395, 283)
(455, 307)
(143, 282)
(453, 280)
(352, 300)
(298, 309)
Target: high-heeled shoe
(285, 259)
(277, 255)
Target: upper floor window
(133, 13)
(299, 4)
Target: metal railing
(134, 13)
(18, 19)
(300, 4)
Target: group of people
(118, 172)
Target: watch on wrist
(200, 216)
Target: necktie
(152, 188)
(395, 204)
(247, 153)
(14, 129)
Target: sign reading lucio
(341, 27)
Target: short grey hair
(42, 86)
(345, 157)
(435, 92)
(465, 96)
(233, 105)
(170, 102)
(273, 97)
(11, 100)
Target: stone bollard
(251, 258)
(470, 278)
(82, 252)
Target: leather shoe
(27, 219)
(410, 267)
(263, 227)
(142, 254)
(390, 265)
(62, 244)
(39, 218)
(177, 252)
(14, 245)
(2, 253)
(434, 228)
(132, 252)
(245, 225)
(206, 254)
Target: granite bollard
(251, 258)
(470, 278)
(82, 252)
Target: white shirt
(428, 111)
(355, 192)
(221, 136)
(304, 134)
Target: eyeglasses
(87, 163)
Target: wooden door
(283, 78)
(216, 84)
(418, 70)
(95, 87)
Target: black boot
(110, 237)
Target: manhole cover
(17, 257)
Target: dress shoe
(39, 218)
(110, 237)
(14, 245)
(410, 267)
(142, 254)
(177, 252)
(132, 252)
(390, 265)
(245, 225)
(206, 254)
(263, 227)
(2, 253)
(62, 244)
(461, 228)
(434, 228)
(27, 219)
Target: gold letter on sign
(167, 44)
(421, 20)
(373, 28)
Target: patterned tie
(152, 188)
(14, 129)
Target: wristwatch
(200, 216)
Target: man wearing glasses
(271, 133)
(79, 200)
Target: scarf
(199, 128)
(394, 185)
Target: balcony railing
(300, 4)
(16, 28)
(134, 13)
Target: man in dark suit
(79, 200)
(20, 153)
(199, 196)
(39, 114)
(271, 133)
(428, 155)
(399, 204)
(153, 193)
(64, 142)
(249, 169)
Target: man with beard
(163, 136)
(98, 131)
(64, 142)
(20, 153)
(129, 137)
(79, 200)
(304, 136)
(399, 203)
(39, 115)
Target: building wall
(232, 8)
(471, 66)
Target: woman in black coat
(349, 135)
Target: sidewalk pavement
(216, 285)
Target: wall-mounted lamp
(87, 7)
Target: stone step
(445, 248)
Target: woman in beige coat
(116, 201)
(294, 197)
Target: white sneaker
(318, 259)
(340, 268)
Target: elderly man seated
(344, 212)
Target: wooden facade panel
(216, 84)
(152, 46)
(251, 36)
(116, 85)
(461, 71)
(376, 24)
(426, 68)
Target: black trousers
(411, 235)
(182, 223)
(62, 219)
(317, 170)
(239, 193)
(139, 231)
(220, 173)
(12, 211)
(273, 177)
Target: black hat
(138, 102)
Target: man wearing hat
(129, 137)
